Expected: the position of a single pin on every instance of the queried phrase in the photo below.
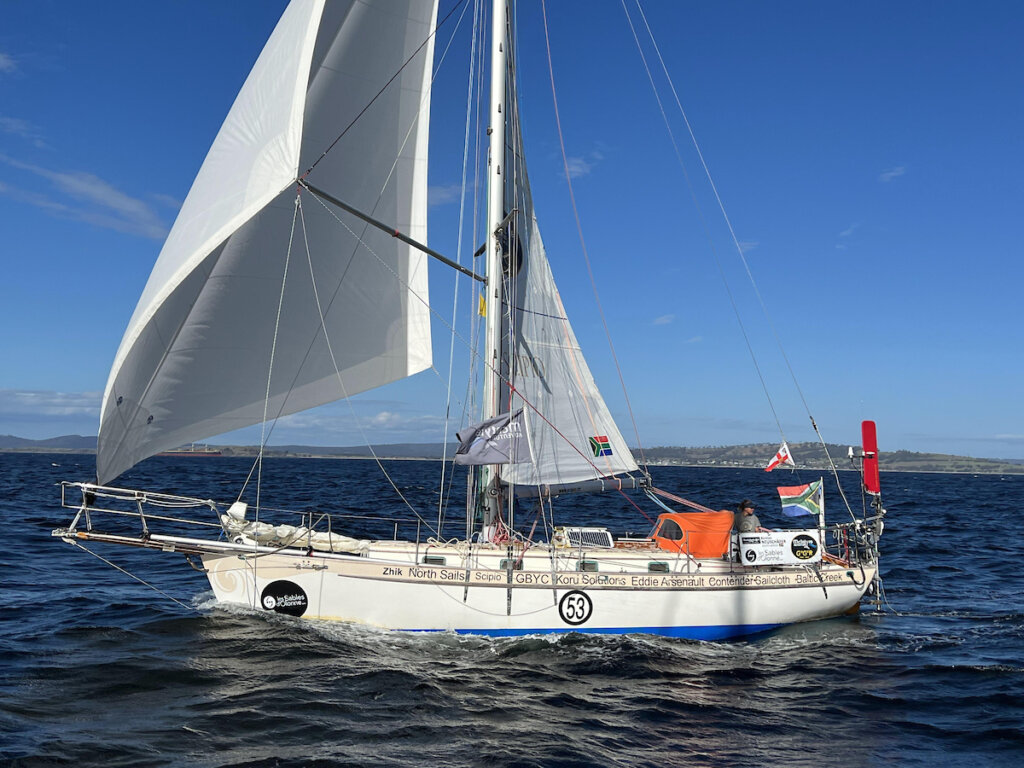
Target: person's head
(746, 507)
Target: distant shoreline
(239, 452)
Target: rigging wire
(515, 183)
(116, 567)
(586, 422)
(270, 367)
(337, 370)
(458, 259)
(475, 353)
(707, 230)
(358, 238)
(579, 229)
(735, 239)
(385, 86)
(476, 326)
(469, 403)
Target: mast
(495, 215)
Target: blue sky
(869, 156)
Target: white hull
(615, 587)
(716, 600)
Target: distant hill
(812, 456)
(806, 455)
(82, 444)
(392, 451)
(72, 443)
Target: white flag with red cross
(781, 458)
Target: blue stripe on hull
(690, 633)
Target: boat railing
(149, 510)
(853, 543)
(88, 500)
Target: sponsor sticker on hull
(284, 597)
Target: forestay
(195, 358)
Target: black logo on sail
(284, 597)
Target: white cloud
(385, 419)
(849, 230)
(443, 194)
(18, 402)
(748, 245)
(7, 64)
(581, 166)
(15, 126)
(578, 166)
(664, 319)
(892, 173)
(167, 201)
(89, 199)
(334, 424)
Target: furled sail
(195, 359)
(572, 436)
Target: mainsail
(572, 436)
(195, 359)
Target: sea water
(98, 669)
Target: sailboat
(296, 275)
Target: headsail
(194, 361)
(571, 432)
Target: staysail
(572, 435)
(195, 358)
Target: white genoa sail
(194, 360)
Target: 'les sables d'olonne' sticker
(284, 597)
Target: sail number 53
(575, 607)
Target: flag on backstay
(781, 457)
(500, 440)
(801, 499)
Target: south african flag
(600, 446)
(801, 499)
